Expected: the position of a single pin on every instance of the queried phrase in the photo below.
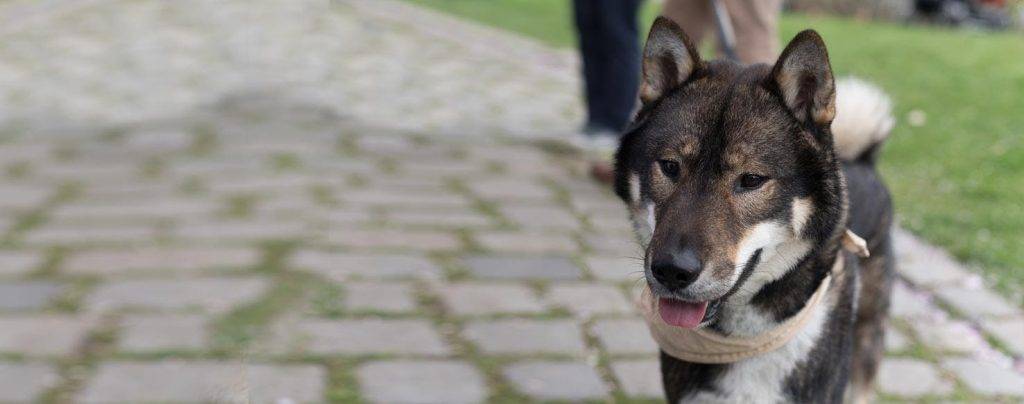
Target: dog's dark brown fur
(722, 154)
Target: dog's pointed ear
(803, 75)
(669, 60)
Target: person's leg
(588, 36)
(756, 23)
(610, 50)
(695, 17)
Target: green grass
(958, 178)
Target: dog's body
(740, 186)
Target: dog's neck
(783, 282)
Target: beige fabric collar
(706, 346)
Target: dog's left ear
(804, 79)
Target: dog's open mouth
(685, 314)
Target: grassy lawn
(958, 178)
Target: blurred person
(753, 24)
(607, 33)
(608, 38)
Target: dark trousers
(610, 49)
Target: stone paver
(977, 302)
(951, 336)
(986, 378)
(204, 381)
(556, 380)
(163, 332)
(895, 341)
(625, 336)
(508, 267)
(923, 264)
(908, 303)
(362, 337)
(24, 382)
(639, 378)
(612, 268)
(43, 334)
(28, 295)
(520, 336)
(18, 262)
(162, 260)
(531, 242)
(421, 240)
(214, 295)
(911, 378)
(341, 266)
(1009, 331)
(477, 299)
(586, 300)
(379, 297)
(424, 382)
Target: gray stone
(43, 334)
(76, 235)
(213, 295)
(625, 336)
(639, 378)
(342, 266)
(977, 302)
(478, 298)
(136, 210)
(362, 337)
(586, 300)
(949, 336)
(541, 217)
(165, 332)
(895, 341)
(426, 382)
(611, 244)
(223, 232)
(507, 267)
(24, 382)
(911, 378)
(615, 268)
(986, 378)
(526, 242)
(521, 336)
(511, 190)
(1008, 331)
(204, 381)
(439, 198)
(379, 297)
(28, 295)
(420, 240)
(163, 260)
(19, 262)
(924, 264)
(907, 303)
(550, 380)
(460, 218)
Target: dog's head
(728, 170)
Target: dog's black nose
(676, 270)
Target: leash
(707, 346)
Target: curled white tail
(863, 117)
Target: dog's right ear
(669, 60)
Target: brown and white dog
(741, 181)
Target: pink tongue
(680, 313)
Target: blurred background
(384, 201)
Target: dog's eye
(670, 168)
(750, 181)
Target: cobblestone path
(311, 201)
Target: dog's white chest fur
(760, 379)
